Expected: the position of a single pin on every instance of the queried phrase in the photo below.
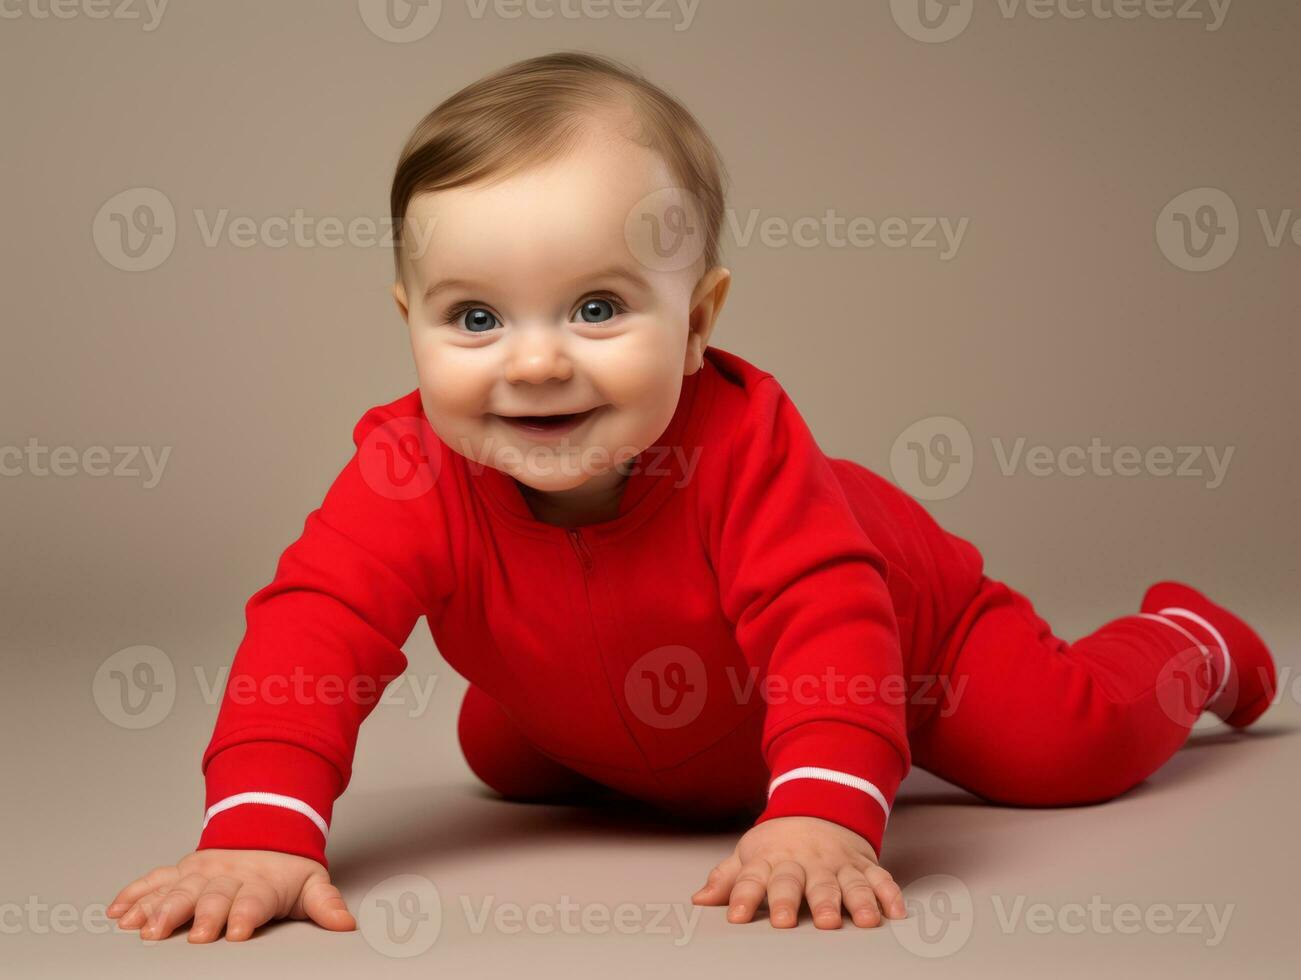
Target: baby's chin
(564, 465)
(563, 474)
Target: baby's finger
(785, 891)
(176, 907)
(888, 892)
(142, 886)
(143, 910)
(719, 885)
(212, 908)
(859, 897)
(751, 885)
(324, 905)
(254, 904)
(823, 894)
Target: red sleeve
(806, 590)
(324, 639)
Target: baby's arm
(322, 642)
(806, 590)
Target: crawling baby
(629, 543)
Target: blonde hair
(532, 112)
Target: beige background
(1058, 320)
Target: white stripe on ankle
(1198, 643)
(1206, 652)
(1200, 621)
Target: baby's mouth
(560, 422)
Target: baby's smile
(550, 426)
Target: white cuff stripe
(1175, 626)
(1196, 642)
(833, 776)
(269, 799)
(1224, 647)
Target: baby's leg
(1030, 719)
(500, 755)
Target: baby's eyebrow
(610, 272)
(613, 272)
(447, 284)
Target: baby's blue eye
(477, 320)
(597, 310)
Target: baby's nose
(537, 355)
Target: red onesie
(762, 629)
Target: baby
(631, 546)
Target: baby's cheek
(644, 411)
(453, 386)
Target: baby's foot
(1242, 668)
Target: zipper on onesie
(580, 546)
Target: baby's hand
(233, 888)
(791, 857)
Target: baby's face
(524, 298)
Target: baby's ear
(400, 297)
(695, 357)
(709, 295)
(706, 303)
